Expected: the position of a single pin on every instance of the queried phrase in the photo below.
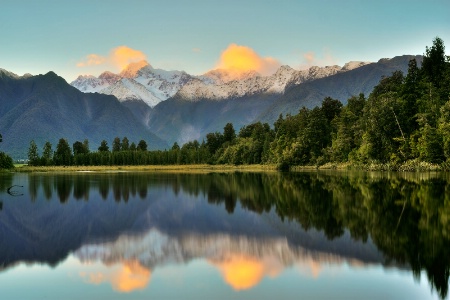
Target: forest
(403, 123)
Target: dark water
(224, 236)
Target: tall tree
(103, 146)
(142, 146)
(434, 62)
(229, 134)
(63, 153)
(79, 148)
(33, 156)
(47, 154)
(125, 144)
(117, 145)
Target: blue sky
(42, 36)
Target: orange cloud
(244, 272)
(242, 58)
(125, 277)
(91, 60)
(118, 57)
(312, 59)
(123, 56)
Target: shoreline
(148, 168)
(408, 166)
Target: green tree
(175, 146)
(6, 161)
(133, 147)
(47, 154)
(434, 62)
(125, 144)
(103, 146)
(142, 146)
(331, 108)
(79, 148)
(116, 145)
(86, 145)
(214, 142)
(229, 134)
(63, 153)
(33, 156)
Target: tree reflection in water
(407, 216)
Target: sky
(196, 36)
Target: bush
(6, 161)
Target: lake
(305, 235)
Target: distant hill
(46, 108)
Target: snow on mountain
(89, 84)
(155, 249)
(140, 81)
(221, 76)
(354, 65)
(254, 84)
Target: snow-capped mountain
(140, 81)
(218, 86)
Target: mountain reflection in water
(246, 225)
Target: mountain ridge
(45, 108)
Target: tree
(175, 146)
(214, 141)
(86, 146)
(1, 138)
(434, 62)
(103, 146)
(229, 134)
(79, 148)
(142, 146)
(47, 154)
(133, 146)
(125, 144)
(116, 146)
(63, 153)
(6, 161)
(33, 156)
(331, 108)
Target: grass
(149, 168)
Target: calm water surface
(224, 236)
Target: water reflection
(136, 222)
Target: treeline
(404, 119)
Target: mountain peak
(221, 76)
(5, 73)
(354, 65)
(132, 69)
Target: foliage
(6, 161)
(33, 156)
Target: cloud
(123, 277)
(91, 60)
(312, 59)
(243, 58)
(118, 57)
(196, 50)
(123, 56)
(243, 272)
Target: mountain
(199, 108)
(46, 108)
(138, 81)
(340, 86)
